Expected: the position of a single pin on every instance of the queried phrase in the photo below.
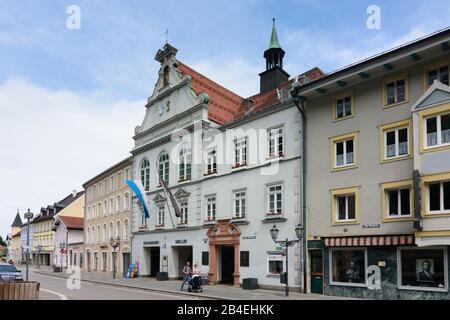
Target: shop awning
(364, 241)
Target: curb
(141, 288)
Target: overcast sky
(70, 99)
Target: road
(53, 288)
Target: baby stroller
(195, 283)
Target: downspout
(300, 104)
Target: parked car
(9, 272)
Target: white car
(9, 272)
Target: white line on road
(61, 296)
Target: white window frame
(280, 258)
(118, 203)
(346, 207)
(161, 216)
(275, 192)
(344, 142)
(111, 205)
(343, 98)
(144, 170)
(166, 167)
(399, 200)
(211, 162)
(185, 162)
(240, 152)
(240, 199)
(399, 269)
(183, 220)
(397, 143)
(438, 131)
(395, 82)
(330, 267)
(273, 136)
(441, 205)
(126, 201)
(211, 207)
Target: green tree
(2, 243)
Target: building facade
(108, 215)
(14, 250)
(233, 167)
(378, 195)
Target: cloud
(53, 141)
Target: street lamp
(39, 249)
(28, 216)
(286, 244)
(114, 244)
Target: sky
(71, 98)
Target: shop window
(245, 258)
(348, 267)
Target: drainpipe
(300, 104)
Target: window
(438, 130)
(126, 201)
(347, 267)
(88, 235)
(118, 203)
(119, 180)
(397, 200)
(145, 174)
(245, 259)
(164, 167)
(94, 211)
(99, 234)
(89, 212)
(184, 213)
(344, 151)
(211, 165)
(113, 183)
(211, 208)
(161, 216)
(240, 152)
(395, 141)
(105, 233)
(111, 205)
(105, 207)
(275, 136)
(99, 210)
(395, 90)
(127, 230)
(343, 106)
(423, 269)
(119, 229)
(438, 71)
(111, 230)
(275, 263)
(166, 76)
(127, 174)
(439, 197)
(239, 204)
(94, 239)
(345, 205)
(205, 258)
(275, 199)
(185, 158)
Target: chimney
(74, 193)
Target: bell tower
(274, 74)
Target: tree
(2, 243)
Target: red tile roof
(73, 222)
(226, 106)
(223, 103)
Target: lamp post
(286, 244)
(28, 216)
(114, 244)
(39, 249)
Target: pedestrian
(187, 271)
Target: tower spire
(274, 43)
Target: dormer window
(166, 76)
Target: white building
(230, 190)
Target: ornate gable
(182, 194)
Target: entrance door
(88, 261)
(154, 261)
(227, 264)
(126, 263)
(316, 271)
(104, 261)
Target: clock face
(160, 109)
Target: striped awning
(364, 241)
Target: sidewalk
(221, 292)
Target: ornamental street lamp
(28, 216)
(114, 244)
(286, 244)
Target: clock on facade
(160, 109)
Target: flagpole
(165, 192)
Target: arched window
(126, 231)
(105, 207)
(111, 205)
(119, 203)
(185, 159)
(105, 233)
(99, 234)
(88, 235)
(93, 234)
(111, 230)
(164, 167)
(126, 201)
(145, 174)
(119, 229)
(99, 209)
(166, 76)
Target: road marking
(61, 296)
